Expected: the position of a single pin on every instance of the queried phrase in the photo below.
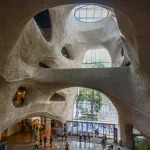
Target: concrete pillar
(13, 129)
(126, 134)
(48, 127)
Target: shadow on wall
(57, 97)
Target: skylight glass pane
(90, 13)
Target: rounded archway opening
(19, 97)
(95, 114)
(31, 129)
(96, 58)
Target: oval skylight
(90, 13)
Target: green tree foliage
(93, 65)
(91, 96)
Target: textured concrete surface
(22, 47)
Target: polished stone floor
(23, 142)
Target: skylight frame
(82, 7)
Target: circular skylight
(90, 13)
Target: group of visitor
(25, 127)
(111, 147)
(85, 137)
(38, 135)
(43, 140)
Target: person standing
(45, 140)
(62, 135)
(112, 147)
(65, 136)
(51, 141)
(33, 136)
(40, 140)
(80, 137)
(36, 145)
(95, 133)
(36, 129)
(67, 146)
(89, 137)
(84, 137)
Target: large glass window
(75, 128)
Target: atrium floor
(23, 142)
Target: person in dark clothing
(40, 140)
(62, 135)
(33, 136)
(51, 141)
(80, 137)
(30, 128)
(112, 147)
(45, 140)
(67, 146)
(89, 137)
(84, 137)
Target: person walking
(45, 140)
(51, 141)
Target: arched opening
(29, 130)
(43, 65)
(94, 114)
(67, 56)
(43, 20)
(19, 97)
(65, 53)
(48, 64)
(96, 58)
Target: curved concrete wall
(22, 47)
